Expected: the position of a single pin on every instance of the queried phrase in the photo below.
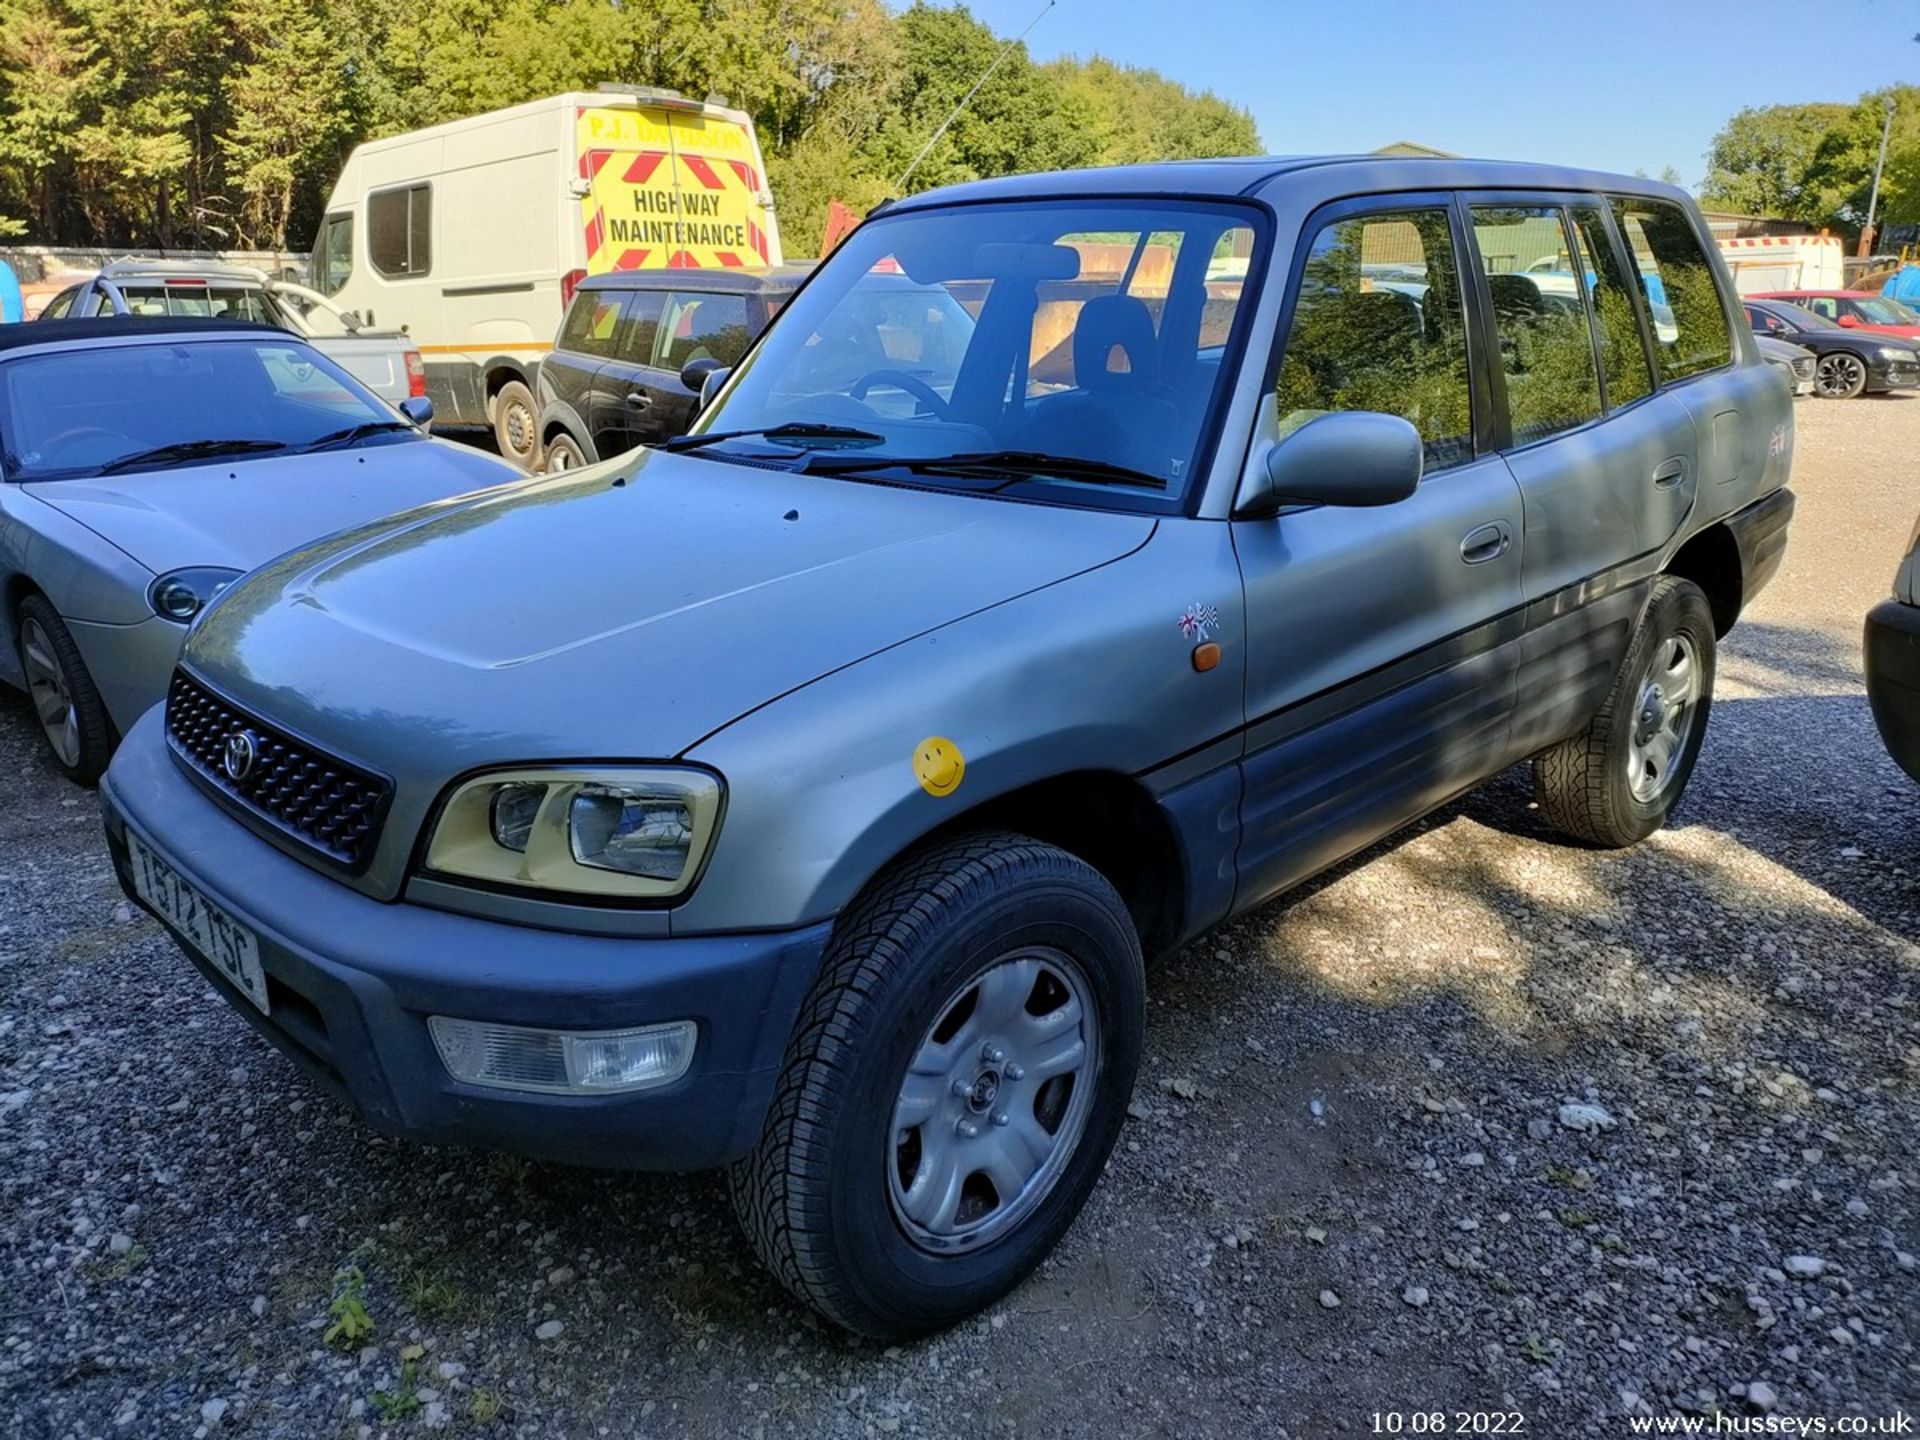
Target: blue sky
(1620, 86)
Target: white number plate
(233, 949)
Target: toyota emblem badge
(242, 751)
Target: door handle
(1670, 474)
(1488, 542)
(639, 399)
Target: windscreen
(79, 412)
(1095, 332)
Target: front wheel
(73, 718)
(563, 453)
(1616, 781)
(954, 1086)
(1840, 376)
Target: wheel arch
(1712, 560)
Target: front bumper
(351, 981)
(1899, 377)
(1893, 679)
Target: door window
(400, 231)
(640, 326)
(1378, 325)
(332, 263)
(58, 307)
(1821, 305)
(1683, 300)
(591, 323)
(1623, 355)
(1540, 319)
(703, 327)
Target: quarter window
(591, 323)
(1683, 300)
(400, 231)
(1378, 325)
(1546, 346)
(704, 327)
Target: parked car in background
(803, 794)
(1848, 363)
(472, 234)
(1893, 662)
(386, 362)
(614, 378)
(1854, 310)
(1800, 364)
(144, 466)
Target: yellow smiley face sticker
(939, 766)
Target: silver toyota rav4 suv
(803, 795)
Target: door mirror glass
(712, 384)
(1347, 457)
(418, 409)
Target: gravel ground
(1481, 1121)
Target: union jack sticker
(1777, 445)
(1198, 622)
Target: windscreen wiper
(792, 430)
(356, 432)
(1009, 466)
(189, 450)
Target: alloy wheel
(1840, 377)
(51, 694)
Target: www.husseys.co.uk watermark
(1898, 1423)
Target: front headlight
(1899, 354)
(625, 832)
(182, 594)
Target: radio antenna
(985, 75)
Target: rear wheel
(72, 716)
(563, 452)
(516, 424)
(1840, 376)
(1616, 781)
(955, 1083)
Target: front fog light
(563, 1062)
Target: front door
(1382, 641)
(621, 395)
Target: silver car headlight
(1898, 354)
(182, 594)
(620, 832)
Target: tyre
(1616, 781)
(72, 716)
(516, 424)
(954, 1085)
(1840, 376)
(563, 452)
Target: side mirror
(1852, 322)
(1345, 457)
(418, 409)
(694, 373)
(712, 385)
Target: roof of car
(1830, 294)
(184, 269)
(777, 277)
(1243, 176)
(33, 333)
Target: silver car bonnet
(622, 612)
(241, 511)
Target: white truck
(471, 235)
(1762, 264)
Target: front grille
(1803, 368)
(324, 802)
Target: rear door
(567, 375)
(623, 390)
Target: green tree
(50, 76)
(287, 106)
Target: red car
(1855, 309)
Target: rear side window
(1689, 323)
(332, 262)
(1623, 355)
(704, 327)
(640, 326)
(1824, 306)
(400, 231)
(1540, 320)
(1378, 325)
(591, 323)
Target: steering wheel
(77, 433)
(900, 380)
